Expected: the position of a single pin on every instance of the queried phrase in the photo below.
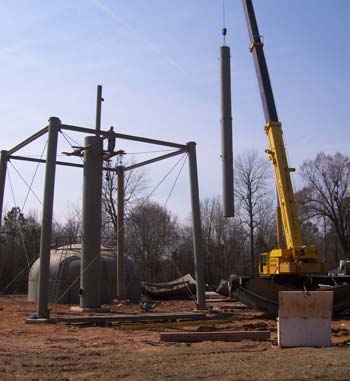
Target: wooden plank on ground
(214, 336)
(220, 300)
(132, 318)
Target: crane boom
(296, 257)
(256, 47)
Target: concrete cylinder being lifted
(226, 133)
(91, 224)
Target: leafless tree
(253, 193)
(151, 236)
(19, 247)
(328, 178)
(223, 242)
(309, 224)
(72, 226)
(135, 183)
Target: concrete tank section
(64, 276)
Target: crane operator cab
(288, 261)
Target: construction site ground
(135, 352)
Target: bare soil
(134, 351)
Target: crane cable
(26, 183)
(162, 180)
(224, 29)
(19, 225)
(22, 209)
(35, 172)
(32, 191)
(177, 177)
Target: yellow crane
(292, 265)
(294, 257)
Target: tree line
(162, 245)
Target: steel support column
(91, 224)
(196, 226)
(99, 101)
(120, 235)
(46, 225)
(3, 170)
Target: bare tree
(19, 247)
(72, 226)
(134, 184)
(309, 224)
(253, 194)
(151, 235)
(328, 178)
(223, 242)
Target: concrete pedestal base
(305, 319)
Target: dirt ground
(135, 352)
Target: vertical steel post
(196, 225)
(226, 133)
(3, 170)
(46, 225)
(99, 101)
(120, 235)
(91, 224)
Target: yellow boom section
(289, 212)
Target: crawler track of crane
(262, 292)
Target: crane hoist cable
(224, 29)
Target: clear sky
(158, 62)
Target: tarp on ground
(181, 288)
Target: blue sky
(158, 62)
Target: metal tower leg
(46, 226)
(196, 225)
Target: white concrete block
(305, 318)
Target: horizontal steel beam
(27, 141)
(23, 158)
(123, 136)
(150, 141)
(154, 160)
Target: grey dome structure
(64, 276)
